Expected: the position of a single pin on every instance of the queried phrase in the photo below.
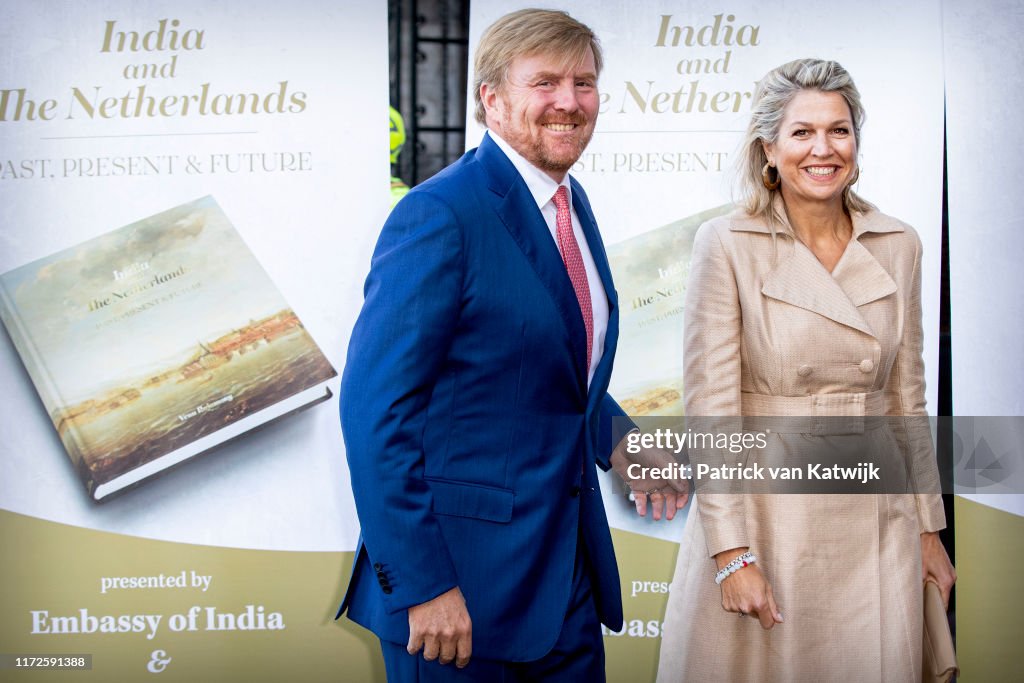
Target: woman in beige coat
(805, 303)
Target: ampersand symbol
(158, 661)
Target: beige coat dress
(769, 331)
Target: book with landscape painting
(650, 271)
(157, 341)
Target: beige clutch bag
(939, 656)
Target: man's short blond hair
(529, 32)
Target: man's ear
(491, 101)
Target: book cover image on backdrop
(650, 275)
(650, 271)
(157, 341)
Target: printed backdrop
(113, 111)
(231, 566)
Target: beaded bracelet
(734, 566)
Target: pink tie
(574, 264)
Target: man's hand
(669, 495)
(442, 629)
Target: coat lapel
(801, 280)
(859, 273)
(861, 276)
(524, 222)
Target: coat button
(867, 365)
(574, 491)
(387, 590)
(377, 566)
(804, 370)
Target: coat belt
(817, 414)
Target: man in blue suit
(474, 400)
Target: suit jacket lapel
(589, 225)
(524, 222)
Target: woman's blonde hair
(529, 32)
(774, 92)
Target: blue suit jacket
(471, 436)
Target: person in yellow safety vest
(398, 188)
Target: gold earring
(765, 177)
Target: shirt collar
(539, 183)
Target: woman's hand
(935, 565)
(746, 591)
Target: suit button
(804, 370)
(574, 491)
(866, 365)
(387, 590)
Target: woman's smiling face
(816, 150)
